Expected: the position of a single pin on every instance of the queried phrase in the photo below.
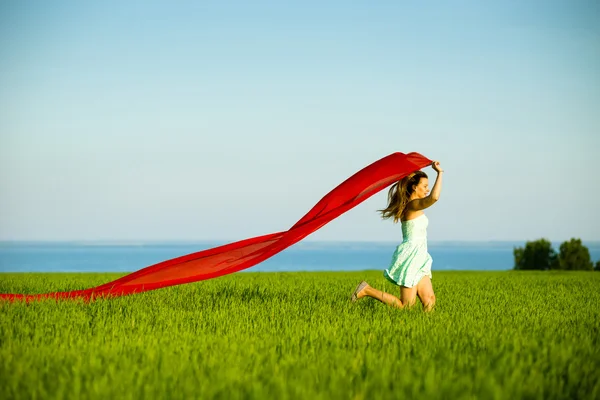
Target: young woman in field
(410, 267)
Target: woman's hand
(436, 166)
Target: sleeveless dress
(411, 261)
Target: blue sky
(147, 120)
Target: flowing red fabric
(243, 254)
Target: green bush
(574, 255)
(537, 254)
(597, 266)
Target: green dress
(411, 261)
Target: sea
(125, 257)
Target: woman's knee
(430, 299)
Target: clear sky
(144, 120)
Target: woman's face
(422, 189)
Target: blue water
(303, 256)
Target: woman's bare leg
(385, 298)
(408, 296)
(425, 293)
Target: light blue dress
(411, 261)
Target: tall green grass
(493, 335)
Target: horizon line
(226, 241)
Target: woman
(411, 263)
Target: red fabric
(237, 256)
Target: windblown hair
(399, 195)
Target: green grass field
(493, 335)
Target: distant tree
(597, 266)
(574, 255)
(537, 254)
